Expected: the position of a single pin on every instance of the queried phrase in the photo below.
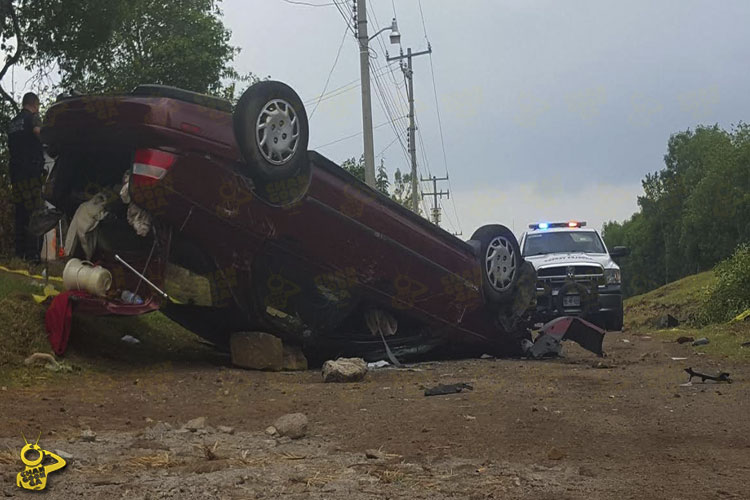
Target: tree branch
(14, 58)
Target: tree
(693, 213)
(113, 46)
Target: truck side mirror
(619, 252)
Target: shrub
(730, 295)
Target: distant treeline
(693, 213)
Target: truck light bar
(547, 225)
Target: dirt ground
(580, 427)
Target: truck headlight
(612, 276)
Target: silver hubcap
(500, 265)
(277, 131)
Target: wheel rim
(500, 264)
(277, 132)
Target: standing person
(26, 169)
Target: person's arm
(36, 124)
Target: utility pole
(435, 196)
(364, 70)
(409, 75)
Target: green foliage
(114, 45)
(401, 192)
(730, 294)
(693, 213)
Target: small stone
(555, 454)
(195, 424)
(373, 454)
(344, 370)
(271, 430)
(64, 454)
(701, 341)
(226, 429)
(88, 436)
(292, 425)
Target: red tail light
(150, 166)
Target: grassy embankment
(684, 300)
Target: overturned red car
(292, 244)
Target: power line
(440, 121)
(347, 137)
(328, 80)
(309, 4)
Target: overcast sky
(550, 109)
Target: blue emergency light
(547, 225)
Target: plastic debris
(129, 339)
(701, 341)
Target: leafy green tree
(114, 45)
(693, 213)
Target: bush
(730, 295)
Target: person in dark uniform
(26, 170)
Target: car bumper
(608, 301)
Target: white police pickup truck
(576, 275)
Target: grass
(683, 299)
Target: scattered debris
(701, 341)
(486, 356)
(626, 341)
(344, 370)
(444, 389)
(679, 359)
(374, 454)
(684, 340)
(225, 429)
(378, 364)
(293, 425)
(548, 342)
(667, 321)
(721, 377)
(129, 339)
(88, 436)
(40, 358)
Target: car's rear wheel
(500, 259)
(271, 130)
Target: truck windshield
(562, 242)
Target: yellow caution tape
(49, 291)
(24, 272)
(742, 316)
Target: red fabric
(58, 318)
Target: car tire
(614, 322)
(500, 261)
(271, 130)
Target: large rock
(294, 358)
(257, 351)
(344, 370)
(293, 425)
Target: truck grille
(558, 275)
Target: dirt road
(580, 427)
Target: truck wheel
(500, 259)
(614, 322)
(271, 130)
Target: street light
(364, 68)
